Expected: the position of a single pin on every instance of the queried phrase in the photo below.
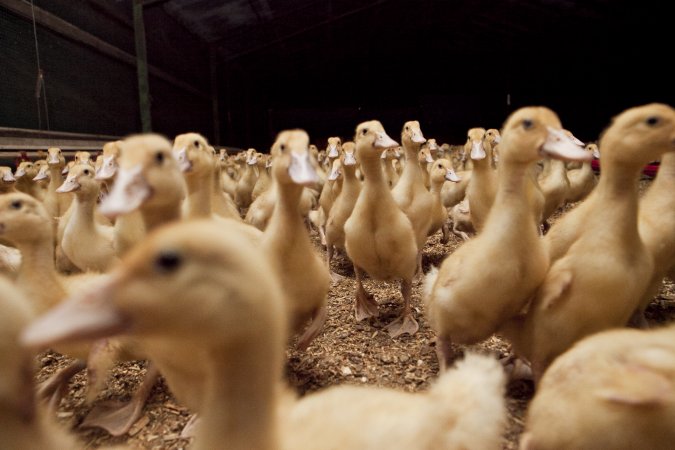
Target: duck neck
(85, 202)
(240, 410)
(436, 188)
(350, 184)
(372, 169)
(286, 220)
(249, 173)
(665, 178)
(511, 211)
(412, 171)
(37, 275)
(617, 192)
(55, 178)
(199, 194)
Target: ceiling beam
(48, 20)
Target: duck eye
(197, 144)
(168, 261)
(16, 204)
(527, 124)
(651, 121)
(159, 157)
(364, 131)
(86, 171)
(282, 147)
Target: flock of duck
(155, 251)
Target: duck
(600, 278)
(222, 202)
(510, 236)
(110, 154)
(582, 179)
(25, 224)
(460, 216)
(441, 171)
(333, 150)
(90, 246)
(493, 138)
(149, 180)
(555, 186)
(7, 180)
(410, 193)
(83, 157)
(24, 423)
(390, 173)
(454, 192)
(264, 180)
(247, 181)
(344, 204)
(56, 204)
(305, 279)
(196, 159)
(330, 191)
(227, 181)
(379, 237)
(237, 338)
(425, 160)
(613, 389)
(24, 179)
(480, 192)
(656, 223)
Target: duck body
(482, 189)
(597, 283)
(611, 390)
(344, 204)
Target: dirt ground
(345, 352)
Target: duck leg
(406, 323)
(316, 324)
(57, 385)
(446, 233)
(117, 417)
(365, 306)
(444, 353)
(335, 277)
(419, 272)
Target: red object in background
(23, 156)
(649, 170)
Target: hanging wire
(40, 87)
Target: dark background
(327, 65)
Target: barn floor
(345, 352)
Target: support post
(142, 67)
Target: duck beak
(498, 139)
(19, 172)
(350, 160)
(384, 154)
(477, 150)
(450, 175)
(334, 174)
(268, 164)
(417, 137)
(433, 147)
(596, 153)
(382, 140)
(333, 151)
(69, 185)
(301, 171)
(252, 161)
(107, 169)
(183, 161)
(53, 159)
(8, 177)
(88, 315)
(65, 170)
(42, 174)
(559, 146)
(128, 193)
(428, 158)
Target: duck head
(292, 160)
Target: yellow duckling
(611, 390)
(481, 190)
(379, 237)
(232, 328)
(510, 237)
(264, 179)
(246, 183)
(410, 193)
(24, 176)
(441, 171)
(493, 138)
(388, 157)
(304, 276)
(87, 244)
(344, 204)
(657, 225)
(56, 204)
(598, 282)
(582, 179)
